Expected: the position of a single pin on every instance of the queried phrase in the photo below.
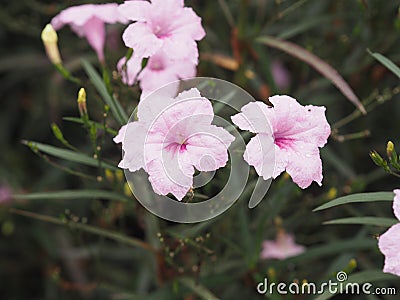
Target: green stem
(87, 228)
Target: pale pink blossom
(160, 70)
(282, 247)
(389, 242)
(162, 24)
(171, 138)
(89, 21)
(288, 137)
(5, 194)
(281, 74)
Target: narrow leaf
(91, 123)
(376, 221)
(198, 289)
(386, 62)
(116, 109)
(355, 198)
(74, 194)
(321, 66)
(86, 228)
(68, 155)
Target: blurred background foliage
(149, 258)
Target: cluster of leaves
(103, 245)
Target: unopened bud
(50, 39)
(389, 149)
(127, 190)
(109, 175)
(378, 160)
(82, 102)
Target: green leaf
(376, 221)
(200, 290)
(68, 155)
(98, 125)
(386, 62)
(318, 64)
(356, 198)
(74, 194)
(116, 108)
(86, 228)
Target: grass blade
(356, 198)
(87, 228)
(74, 194)
(376, 221)
(198, 289)
(386, 62)
(68, 155)
(98, 125)
(318, 64)
(114, 105)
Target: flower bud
(378, 160)
(82, 102)
(50, 39)
(109, 175)
(389, 149)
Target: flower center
(283, 143)
(160, 31)
(156, 64)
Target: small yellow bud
(120, 175)
(127, 190)
(332, 193)
(286, 176)
(352, 264)
(50, 39)
(389, 149)
(271, 274)
(82, 102)
(109, 175)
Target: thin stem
(87, 228)
(351, 136)
(227, 13)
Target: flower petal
(133, 137)
(188, 23)
(396, 203)
(188, 111)
(260, 154)
(182, 47)
(199, 152)
(95, 33)
(170, 174)
(80, 14)
(143, 41)
(389, 245)
(254, 118)
(133, 67)
(290, 120)
(135, 10)
(303, 163)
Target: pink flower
(160, 70)
(389, 242)
(280, 74)
(295, 132)
(88, 21)
(162, 24)
(281, 248)
(171, 138)
(5, 194)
